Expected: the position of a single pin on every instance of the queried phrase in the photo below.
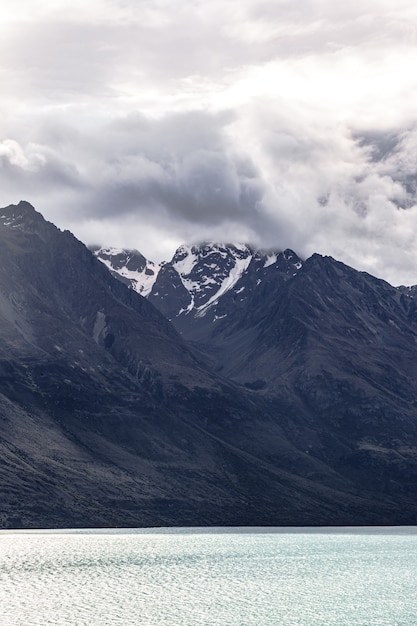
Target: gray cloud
(178, 169)
(148, 123)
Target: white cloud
(278, 122)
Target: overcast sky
(148, 123)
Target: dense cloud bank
(148, 124)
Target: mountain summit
(332, 347)
(200, 278)
(283, 392)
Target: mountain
(129, 266)
(333, 348)
(110, 417)
(197, 276)
(191, 290)
(204, 285)
(216, 296)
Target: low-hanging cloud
(178, 170)
(282, 124)
(300, 185)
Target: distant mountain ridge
(283, 391)
(194, 282)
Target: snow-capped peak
(197, 278)
(208, 270)
(131, 267)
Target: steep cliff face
(109, 417)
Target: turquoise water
(222, 577)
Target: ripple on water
(214, 578)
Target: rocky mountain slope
(109, 417)
(333, 348)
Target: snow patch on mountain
(270, 260)
(227, 284)
(208, 271)
(185, 259)
(139, 273)
(187, 309)
(198, 276)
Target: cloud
(331, 191)
(149, 123)
(174, 171)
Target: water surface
(297, 577)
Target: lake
(227, 577)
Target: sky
(149, 123)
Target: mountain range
(229, 386)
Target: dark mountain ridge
(109, 417)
